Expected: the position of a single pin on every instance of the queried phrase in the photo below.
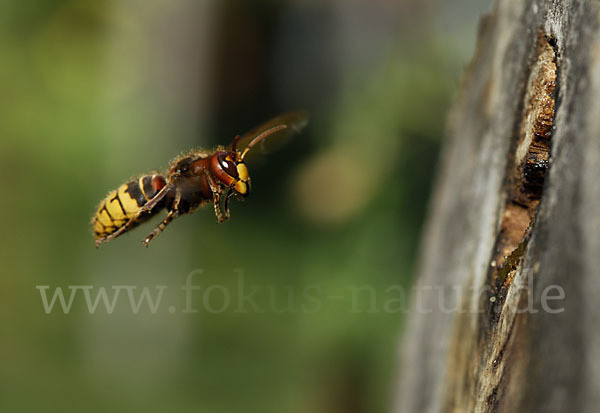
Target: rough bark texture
(516, 210)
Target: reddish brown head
(229, 167)
(231, 171)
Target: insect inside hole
(192, 180)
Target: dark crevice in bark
(526, 174)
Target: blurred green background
(95, 92)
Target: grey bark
(489, 356)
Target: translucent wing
(294, 121)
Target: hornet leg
(226, 204)
(173, 213)
(170, 216)
(216, 191)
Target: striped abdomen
(123, 204)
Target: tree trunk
(505, 316)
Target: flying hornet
(192, 180)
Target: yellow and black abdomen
(122, 204)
